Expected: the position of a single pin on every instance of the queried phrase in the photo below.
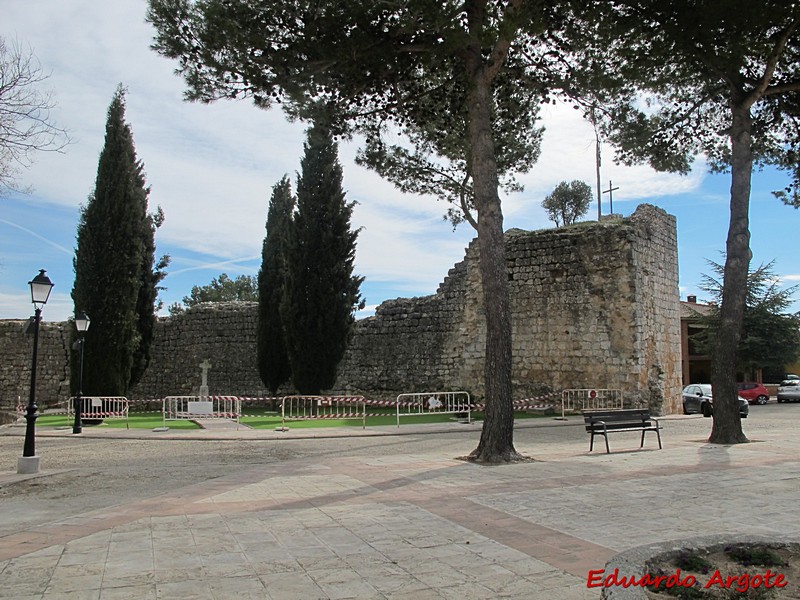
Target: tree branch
(463, 201)
(772, 64)
(782, 88)
(501, 48)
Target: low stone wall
(16, 354)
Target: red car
(753, 392)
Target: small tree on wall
(273, 361)
(243, 288)
(568, 202)
(321, 292)
(115, 280)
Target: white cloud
(197, 265)
(367, 311)
(58, 307)
(568, 152)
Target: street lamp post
(41, 287)
(82, 325)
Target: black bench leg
(608, 450)
(658, 434)
(591, 442)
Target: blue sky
(211, 168)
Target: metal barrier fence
(101, 407)
(588, 399)
(323, 407)
(545, 401)
(427, 403)
(201, 407)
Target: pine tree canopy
(718, 78)
(463, 80)
(770, 336)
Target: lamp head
(41, 287)
(82, 321)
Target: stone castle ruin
(594, 305)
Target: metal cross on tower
(610, 191)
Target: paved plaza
(376, 515)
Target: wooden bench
(603, 422)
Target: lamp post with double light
(82, 325)
(41, 286)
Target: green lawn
(262, 419)
(143, 420)
(267, 420)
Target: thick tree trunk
(727, 427)
(497, 437)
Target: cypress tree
(273, 361)
(114, 276)
(321, 292)
(147, 303)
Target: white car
(789, 391)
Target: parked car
(753, 392)
(697, 398)
(789, 379)
(789, 391)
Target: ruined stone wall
(223, 333)
(16, 354)
(655, 263)
(597, 306)
(593, 305)
(407, 345)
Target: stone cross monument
(205, 365)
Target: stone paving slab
(409, 526)
(221, 424)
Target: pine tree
(321, 292)
(115, 283)
(411, 64)
(273, 361)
